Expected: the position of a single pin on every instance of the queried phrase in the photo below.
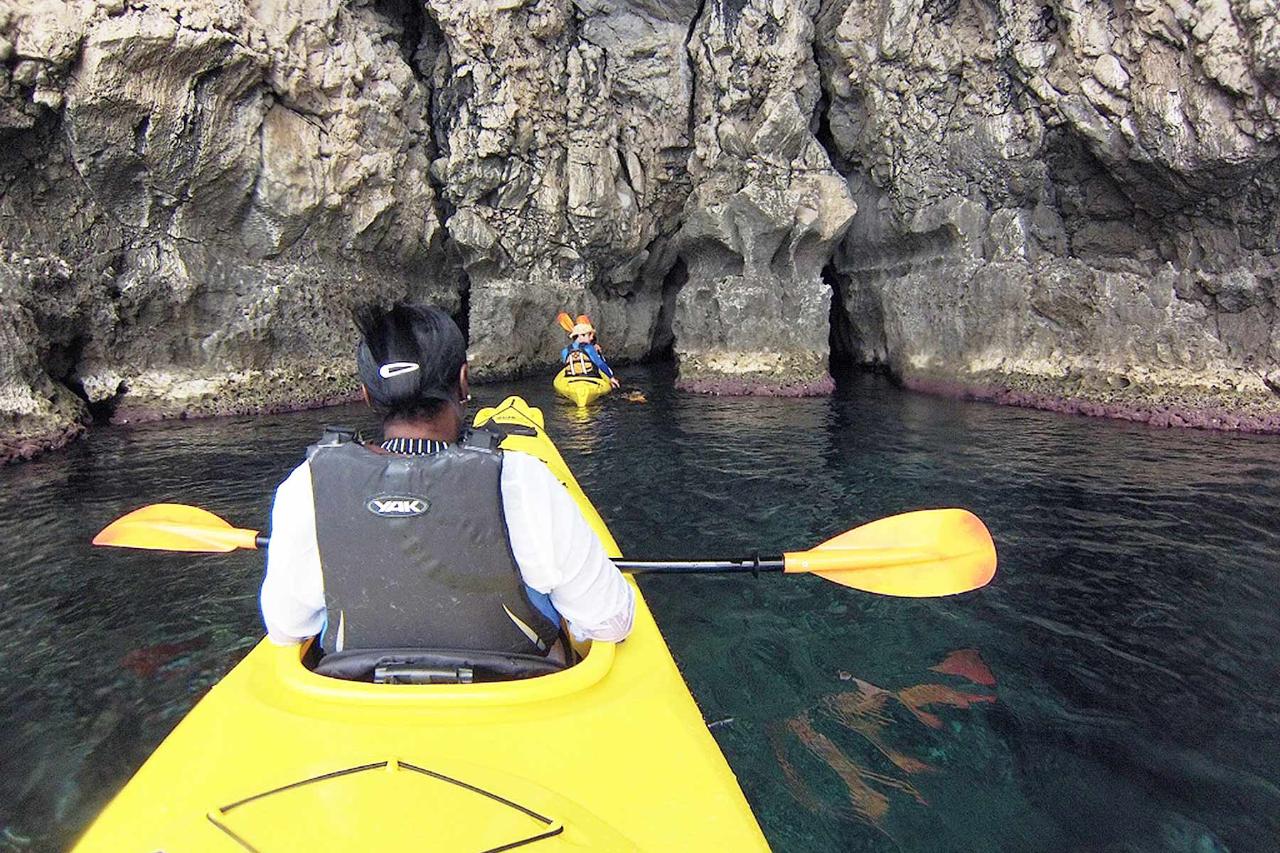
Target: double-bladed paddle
(920, 554)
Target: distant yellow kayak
(611, 754)
(580, 389)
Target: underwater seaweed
(967, 664)
(866, 711)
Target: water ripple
(1131, 630)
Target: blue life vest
(590, 351)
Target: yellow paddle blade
(565, 321)
(920, 554)
(175, 527)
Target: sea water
(1116, 688)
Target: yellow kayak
(611, 754)
(580, 389)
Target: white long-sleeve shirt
(557, 551)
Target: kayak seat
(432, 666)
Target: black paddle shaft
(753, 564)
(653, 567)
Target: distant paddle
(921, 554)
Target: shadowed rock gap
(410, 18)
(689, 49)
(843, 340)
(64, 361)
(663, 344)
(822, 132)
(430, 60)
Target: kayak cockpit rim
(286, 681)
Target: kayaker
(583, 343)
(431, 539)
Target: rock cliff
(1070, 204)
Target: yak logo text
(397, 506)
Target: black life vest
(414, 551)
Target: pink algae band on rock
(757, 386)
(20, 448)
(141, 413)
(24, 447)
(1152, 413)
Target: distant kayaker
(432, 539)
(583, 353)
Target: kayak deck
(610, 754)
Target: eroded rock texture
(766, 209)
(1069, 204)
(193, 196)
(563, 142)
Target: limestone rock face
(1071, 205)
(563, 139)
(766, 209)
(194, 196)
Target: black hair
(409, 359)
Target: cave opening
(662, 346)
(411, 18)
(856, 341)
(843, 337)
(62, 363)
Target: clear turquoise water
(1132, 630)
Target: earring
(466, 399)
